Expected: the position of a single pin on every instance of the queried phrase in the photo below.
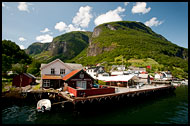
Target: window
(46, 83)
(52, 71)
(62, 71)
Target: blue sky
(29, 22)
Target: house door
(81, 84)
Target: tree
(34, 68)
(6, 63)
(19, 68)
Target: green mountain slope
(132, 40)
(109, 42)
(36, 48)
(64, 47)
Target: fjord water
(166, 109)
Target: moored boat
(44, 105)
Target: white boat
(44, 105)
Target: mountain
(132, 40)
(36, 48)
(65, 47)
(116, 43)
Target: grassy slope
(76, 42)
(134, 43)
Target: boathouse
(23, 80)
(80, 83)
(121, 80)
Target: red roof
(51, 77)
(68, 76)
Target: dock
(120, 93)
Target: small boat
(44, 105)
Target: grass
(37, 87)
(143, 62)
(6, 83)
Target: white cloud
(44, 38)
(126, 3)
(21, 39)
(140, 7)
(60, 26)
(23, 6)
(153, 22)
(112, 15)
(83, 17)
(21, 47)
(72, 28)
(45, 30)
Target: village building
(80, 84)
(118, 68)
(23, 80)
(158, 76)
(121, 80)
(163, 76)
(167, 75)
(145, 78)
(79, 79)
(137, 70)
(53, 72)
(96, 71)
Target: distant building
(167, 75)
(145, 78)
(118, 67)
(95, 71)
(137, 69)
(23, 80)
(158, 76)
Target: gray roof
(29, 75)
(74, 66)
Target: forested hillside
(12, 54)
(64, 47)
(114, 42)
(133, 40)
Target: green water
(166, 109)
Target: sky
(27, 22)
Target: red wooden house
(23, 80)
(80, 84)
(79, 79)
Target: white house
(158, 76)
(167, 75)
(53, 72)
(96, 71)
